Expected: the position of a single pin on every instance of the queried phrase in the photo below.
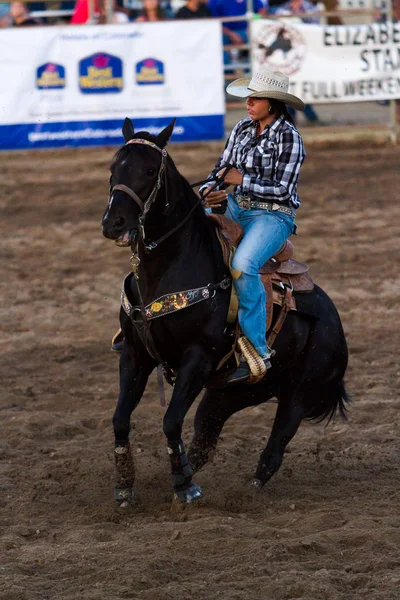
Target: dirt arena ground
(326, 527)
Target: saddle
(281, 275)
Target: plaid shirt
(270, 163)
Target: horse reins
(217, 180)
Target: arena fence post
(249, 18)
(393, 112)
(109, 5)
(90, 11)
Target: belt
(247, 204)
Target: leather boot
(242, 373)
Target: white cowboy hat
(265, 83)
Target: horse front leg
(133, 374)
(194, 371)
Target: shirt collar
(272, 129)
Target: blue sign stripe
(105, 133)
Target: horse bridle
(146, 205)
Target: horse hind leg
(313, 404)
(215, 408)
(289, 414)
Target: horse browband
(147, 143)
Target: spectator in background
(273, 5)
(5, 17)
(299, 8)
(21, 16)
(152, 11)
(235, 32)
(81, 13)
(194, 9)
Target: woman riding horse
(173, 313)
(266, 152)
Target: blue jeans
(265, 232)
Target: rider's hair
(279, 108)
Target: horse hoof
(189, 495)
(124, 497)
(256, 485)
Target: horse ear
(165, 134)
(128, 130)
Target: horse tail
(331, 400)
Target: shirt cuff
(205, 186)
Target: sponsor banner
(331, 63)
(75, 85)
(100, 133)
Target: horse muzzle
(126, 239)
(121, 238)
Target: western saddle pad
(281, 275)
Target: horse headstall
(144, 206)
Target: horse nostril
(119, 221)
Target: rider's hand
(215, 198)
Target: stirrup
(257, 365)
(117, 342)
(252, 367)
(242, 373)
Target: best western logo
(50, 77)
(100, 73)
(150, 72)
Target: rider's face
(258, 108)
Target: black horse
(176, 248)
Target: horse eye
(151, 172)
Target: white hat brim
(239, 88)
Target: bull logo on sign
(279, 47)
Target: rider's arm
(281, 187)
(225, 158)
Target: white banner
(331, 63)
(75, 85)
